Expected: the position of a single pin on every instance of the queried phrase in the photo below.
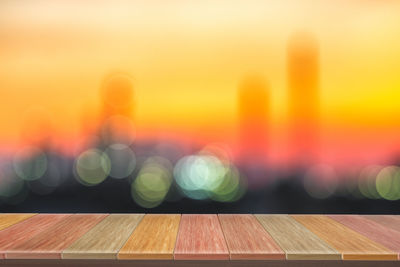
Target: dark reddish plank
(374, 231)
(247, 239)
(200, 237)
(390, 221)
(49, 243)
(21, 232)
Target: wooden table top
(198, 237)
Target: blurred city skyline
(187, 60)
(141, 104)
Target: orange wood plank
(351, 244)
(200, 237)
(49, 243)
(20, 232)
(8, 219)
(390, 221)
(153, 238)
(247, 239)
(374, 231)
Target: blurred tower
(303, 81)
(253, 120)
(117, 97)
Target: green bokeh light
(152, 184)
(388, 183)
(92, 167)
(122, 159)
(30, 163)
(366, 181)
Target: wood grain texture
(49, 243)
(200, 237)
(389, 221)
(105, 239)
(6, 219)
(153, 238)
(374, 231)
(351, 244)
(297, 241)
(247, 239)
(18, 233)
(170, 263)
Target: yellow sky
(188, 57)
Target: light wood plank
(200, 237)
(247, 239)
(374, 231)
(390, 221)
(153, 238)
(297, 241)
(49, 243)
(18, 233)
(8, 219)
(351, 244)
(105, 239)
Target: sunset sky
(188, 58)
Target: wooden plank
(200, 237)
(49, 243)
(374, 231)
(247, 239)
(18, 233)
(153, 238)
(389, 221)
(8, 219)
(105, 239)
(297, 241)
(351, 244)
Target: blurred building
(117, 95)
(253, 106)
(117, 105)
(303, 83)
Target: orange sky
(188, 58)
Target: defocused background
(200, 106)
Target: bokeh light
(232, 187)
(388, 183)
(30, 163)
(153, 182)
(48, 183)
(197, 175)
(10, 184)
(92, 167)
(122, 159)
(320, 181)
(367, 181)
(209, 174)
